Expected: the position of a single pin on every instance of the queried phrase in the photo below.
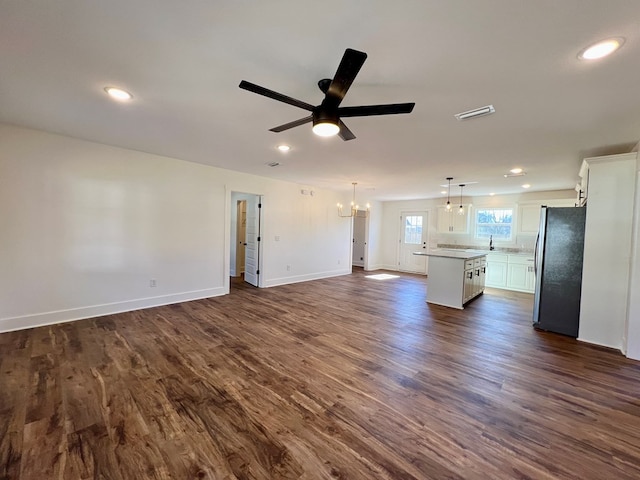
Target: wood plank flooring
(343, 378)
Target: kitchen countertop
(459, 254)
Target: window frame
(415, 230)
(512, 224)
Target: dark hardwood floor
(343, 378)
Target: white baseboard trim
(61, 316)
(274, 282)
(393, 268)
(380, 267)
(613, 347)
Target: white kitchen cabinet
(511, 272)
(474, 277)
(468, 285)
(608, 246)
(529, 216)
(516, 276)
(528, 219)
(520, 273)
(496, 270)
(479, 275)
(531, 278)
(455, 277)
(450, 221)
(582, 188)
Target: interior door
(252, 248)
(241, 235)
(413, 238)
(359, 237)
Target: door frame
(365, 248)
(240, 252)
(230, 209)
(426, 213)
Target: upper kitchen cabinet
(450, 221)
(582, 188)
(529, 214)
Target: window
(413, 229)
(496, 222)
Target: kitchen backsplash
(486, 247)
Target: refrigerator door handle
(535, 255)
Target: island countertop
(451, 253)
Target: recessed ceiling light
(118, 93)
(516, 170)
(443, 192)
(601, 49)
(492, 194)
(526, 185)
(284, 148)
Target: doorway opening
(359, 239)
(244, 258)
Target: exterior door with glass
(413, 238)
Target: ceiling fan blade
(344, 132)
(252, 87)
(350, 65)
(367, 110)
(295, 123)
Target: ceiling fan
(326, 117)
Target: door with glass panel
(413, 238)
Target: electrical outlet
(288, 268)
(152, 282)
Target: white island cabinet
(455, 276)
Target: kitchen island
(455, 276)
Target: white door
(359, 229)
(241, 236)
(413, 238)
(252, 249)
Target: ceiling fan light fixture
(118, 94)
(325, 129)
(601, 49)
(325, 124)
(477, 112)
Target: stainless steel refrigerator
(558, 268)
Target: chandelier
(353, 211)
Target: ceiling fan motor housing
(324, 115)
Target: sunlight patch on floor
(382, 276)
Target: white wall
(84, 227)
(391, 227)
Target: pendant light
(354, 208)
(461, 209)
(449, 194)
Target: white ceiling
(183, 62)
